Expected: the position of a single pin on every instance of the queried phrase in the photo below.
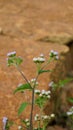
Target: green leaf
(23, 87)
(9, 124)
(65, 81)
(44, 71)
(14, 60)
(10, 61)
(18, 60)
(22, 107)
(40, 101)
(70, 100)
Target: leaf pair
(21, 88)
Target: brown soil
(22, 23)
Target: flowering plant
(39, 97)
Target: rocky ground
(24, 27)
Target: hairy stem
(24, 77)
(32, 105)
(50, 60)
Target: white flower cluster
(37, 117)
(27, 122)
(43, 117)
(10, 54)
(54, 54)
(33, 81)
(43, 93)
(46, 117)
(70, 112)
(39, 59)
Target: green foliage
(62, 83)
(70, 100)
(8, 125)
(39, 129)
(14, 61)
(40, 101)
(22, 107)
(43, 71)
(23, 87)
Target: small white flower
(26, 120)
(52, 115)
(42, 55)
(70, 112)
(33, 80)
(45, 117)
(19, 127)
(72, 107)
(43, 92)
(52, 51)
(37, 91)
(36, 117)
(56, 57)
(40, 95)
(55, 53)
(39, 59)
(27, 123)
(11, 53)
(48, 92)
(50, 84)
(48, 96)
(35, 59)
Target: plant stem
(47, 63)
(24, 77)
(32, 105)
(31, 114)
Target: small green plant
(39, 97)
(57, 90)
(70, 118)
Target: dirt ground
(22, 23)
